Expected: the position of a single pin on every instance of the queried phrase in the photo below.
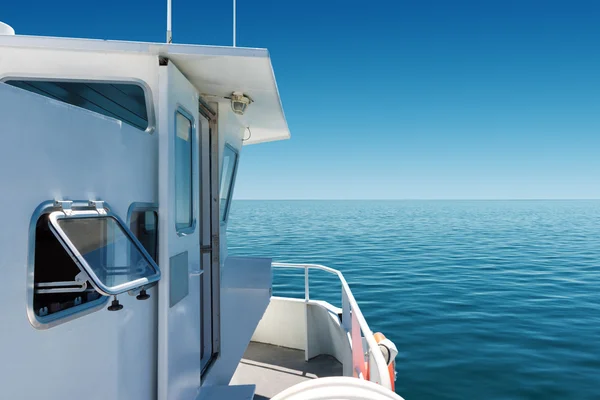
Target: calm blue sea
(484, 299)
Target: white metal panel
(220, 76)
(357, 325)
(50, 150)
(326, 335)
(179, 326)
(284, 324)
(245, 293)
(217, 71)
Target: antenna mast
(169, 33)
(233, 23)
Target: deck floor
(273, 369)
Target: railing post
(356, 328)
(346, 322)
(306, 285)
(306, 299)
(348, 363)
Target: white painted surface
(179, 326)
(245, 293)
(6, 29)
(326, 335)
(337, 388)
(47, 64)
(284, 324)
(357, 328)
(50, 150)
(216, 71)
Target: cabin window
(104, 250)
(79, 254)
(57, 290)
(143, 223)
(230, 159)
(123, 101)
(184, 204)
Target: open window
(104, 249)
(82, 253)
(59, 289)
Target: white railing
(355, 324)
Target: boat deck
(273, 369)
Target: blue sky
(395, 99)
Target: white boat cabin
(117, 166)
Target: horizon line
(430, 199)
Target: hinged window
(230, 160)
(104, 249)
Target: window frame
(72, 250)
(60, 317)
(225, 217)
(151, 115)
(188, 230)
(139, 206)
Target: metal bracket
(98, 205)
(205, 249)
(64, 205)
(215, 245)
(77, 286)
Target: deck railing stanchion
(306, 285)
(306, 299)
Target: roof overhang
(215, 71)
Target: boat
(118, 163)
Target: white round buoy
(6, 29)
(337, 388)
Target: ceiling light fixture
(240, 102)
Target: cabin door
(183, 219)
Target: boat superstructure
(118, 162)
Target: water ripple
(485, 299)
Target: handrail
(351, 304)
